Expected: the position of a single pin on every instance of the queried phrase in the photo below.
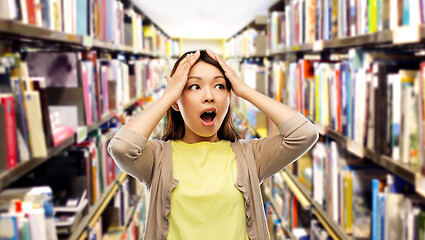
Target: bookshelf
(384, 38)
(366, 40)
(283, 222)
(90, 219)
(336, 49)
(408, 172)
(23, 168)
(18, 30)
(141, 60)
(250, 41)
(322, 216)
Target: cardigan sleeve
(296, 136)
(134, 154)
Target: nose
(208, 96)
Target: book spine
(20, 117)
(84, 73)
(40, 86)
(62, 133)
(406, 13)
(31, 12)
(35, 124)
(9, 225)
(375, 208)
(10, 126)
(382, 214)
(82, 21)
(422, 117)
(37, 224)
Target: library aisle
(73, 72)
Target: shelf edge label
(407, 34)
(318, 45)
(420, 184)
(356, 148)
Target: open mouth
(208, 118)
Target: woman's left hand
(238, 86)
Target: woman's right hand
(176, 84)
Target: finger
(184, 59)
(179, 68)
(222, 63)
(227, 69)
(182, 65)
(189, 60)
(219, 59)
(168, 79)
(195, 57)
(211, 54)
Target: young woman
(204, 182)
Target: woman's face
(204, 103)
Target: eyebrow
(216, 77)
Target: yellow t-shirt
(205, 204)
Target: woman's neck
(196, 138)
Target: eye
(220, 86)
(194, 87)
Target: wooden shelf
(18, 30)
(245, 120)
(408, 172)
(131, 212)
(373, 39)
(283, 222)
(24, 168)
(132, 102)
(298, 189)
(97, 124)
(96, 210)
(246, 57)
(333, 228)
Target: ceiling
(202, 19)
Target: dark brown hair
(175, 124)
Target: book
(70, 97)
(8, 102)
(37, 223)
(319, 161)
(39, 85)
(61, 133)
(87, 93)
(393, 222)
(409, 121)
(35, 124)
(5, 85)
(9, 227)
(377, 188)
(67, 222)
(60, 69)
(362, 199)
(39, 210)
(9, 10)
(22, 129)
(97, 89)
(81, 10)
(3, 148)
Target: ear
(175, 106)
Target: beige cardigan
(150, 162)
